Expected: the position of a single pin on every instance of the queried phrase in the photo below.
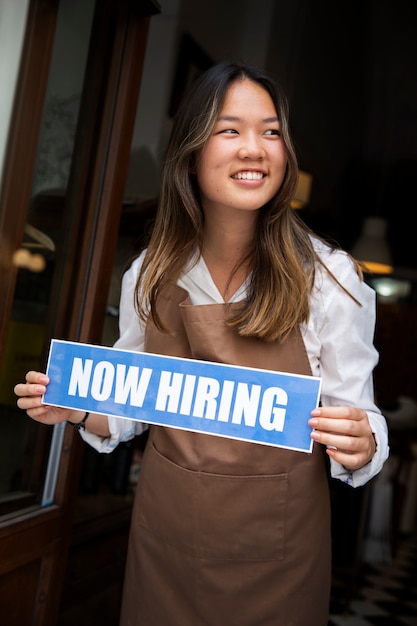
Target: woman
(227, 532)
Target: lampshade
(303, 190)
(372, 248)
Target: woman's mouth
(248, 175)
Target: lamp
(372, 248)
(24, 258)
(303, 190)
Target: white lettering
(187, 394)
(205, 404)
(169, 391)
(226, 401)
(80, 377)
(103, 378)
(271, 396)
(246, 404)
(132, 384)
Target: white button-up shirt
(338, 338)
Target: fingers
(339, 420)
(30, 396)
(25, 390)
(339, 412)
(37, 377)
(29, 402)
(350, 461)
(35, 385)
(346, 433)
(30, 393)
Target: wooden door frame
(34, 543)
(22, 144)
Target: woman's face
(242, 165)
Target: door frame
(34, 542)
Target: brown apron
(225, 532)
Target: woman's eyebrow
(228, 118)
(234, 118)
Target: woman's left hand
(347, 433)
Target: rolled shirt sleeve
(339, 340)
(131, 338)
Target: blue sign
(260, 406)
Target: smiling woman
(231, 276)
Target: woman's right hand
(30, 400)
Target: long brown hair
(283, 260)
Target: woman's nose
(251, 148)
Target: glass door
(61, 196)
(36, 261)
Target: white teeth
(249, 175)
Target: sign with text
(260, 406)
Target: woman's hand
(347, 432)
(30, 399)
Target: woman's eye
(229, 131)
(273, 131)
